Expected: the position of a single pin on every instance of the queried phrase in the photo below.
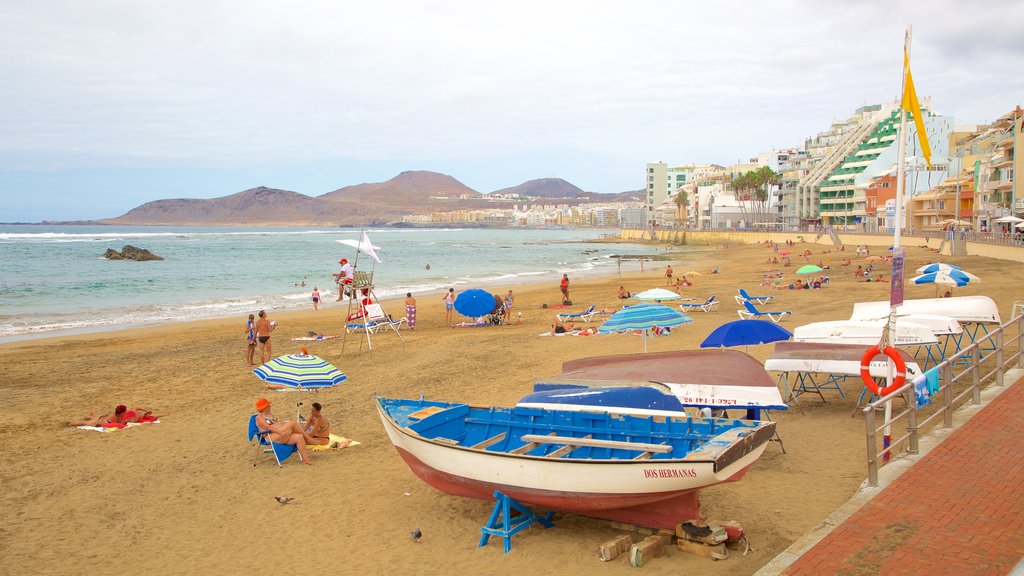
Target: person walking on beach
(250, 335)
(564, 286)
(263, 328)
(410, 310)
(506, 312)
(668, 274)
(316, 298)
(449, 305)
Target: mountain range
(414, 192)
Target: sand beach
(182, 496)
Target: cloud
(220, 84)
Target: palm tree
(681, 201)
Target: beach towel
(315, 338)
(932, 378)
(111, 427)
(921, 392)
(587, 332)
(334, 444)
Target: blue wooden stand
(502, 524)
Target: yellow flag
(910, 104)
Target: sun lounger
(752, 312)
(708, 306)
(587, 315)
(743, 296)
(375, 326)
(261, 439)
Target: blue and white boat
(643, 470)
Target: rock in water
(130, 252)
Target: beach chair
(743, 296)
(751, 312)
(709, 306)
(261, 440)
(587, 315)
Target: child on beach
(316, 298)
(250, 331)
(449, 305)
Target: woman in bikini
(320, 428)
(282, 432)
(93, 420)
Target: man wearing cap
(344, 277)
(286, 432)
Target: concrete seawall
(726, 237)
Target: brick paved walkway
(960, 510)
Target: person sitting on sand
(623, 293)
(320, 428)
(93, 420)
(859, 272)
(283, 432)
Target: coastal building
(799, 202)
(937, 208)
(841, 198)
(663, 181)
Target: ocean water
(53, 279)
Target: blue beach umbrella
(300, 371)
(952, 278)
(643, 317)
(474, 302)
(745, 333)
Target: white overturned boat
(974, 309)
(864, 332)
(838, 359)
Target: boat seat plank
(564, 449)
(643, 456)
(428, 411)
(489, 442)
(695, 435)
(527, 447)
(597, 443)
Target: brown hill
(256, 206)
(408, 187)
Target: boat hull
(653, 493)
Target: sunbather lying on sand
(121, 415)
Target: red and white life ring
(865, 370)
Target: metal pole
(947, 395)
(1020, 342)
(999, 356)
(908, 395)
(976, 374)
(869, 423)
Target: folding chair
(261, 439)
(752, 312)
(743, 296)
(709, 306)
(587, 315)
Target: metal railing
(972, 359)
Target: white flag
(366, 248)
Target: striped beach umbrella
(948, 269)
(300, 371)
(952, 278)
(643, 317)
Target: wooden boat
(662, 383)
(640, 470)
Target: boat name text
(670, 473)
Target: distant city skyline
(107, 105)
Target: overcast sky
(107, 104)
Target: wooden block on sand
(615, 547)
(646, 550)
(699, 532)
(717, 552)
(632, 528)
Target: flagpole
(896, 292)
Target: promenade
(959, 510)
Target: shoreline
(390, 302)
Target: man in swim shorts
(263, 329)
